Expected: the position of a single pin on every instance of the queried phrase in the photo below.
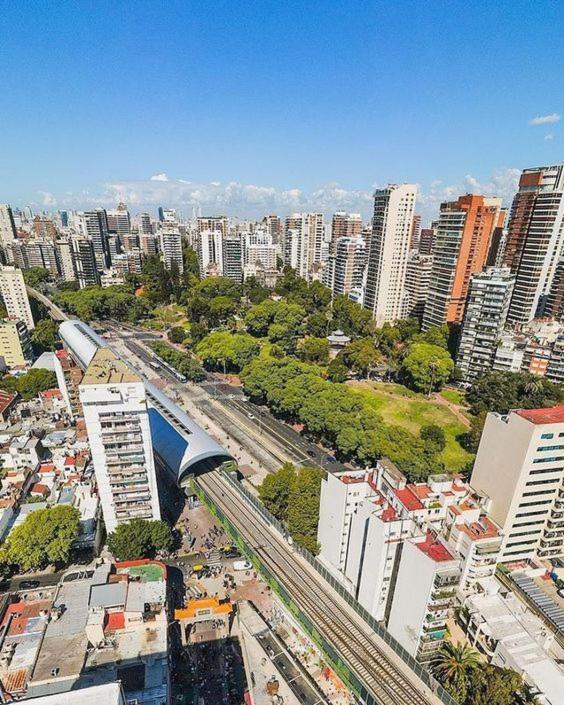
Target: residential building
(462, 241)
(303, 243)
(417, 278)
(535, 240)
(94, 225)
(426, 241)
(210, 251)
(348, 265)
(344, 225)
(213, 223)
(108, 694)
(84, 260)
(65, 258)
(115, 412)
(232, 258)
(387, 255)
(415, 232)
(15, 344)
(145, 225)
(171, 248)
(14, 295)
(259, 253)
(555, 300)
(519, 470)
(487, 305)
(119, 221)
(7, 231)
(510, 636)
(428, 575)
(273, 226)
(148, 244)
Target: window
(549, 435)
(540, 448)
(538, 472)
(552, 459)
(543, 482)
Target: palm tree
(454, 661)
(534, 385)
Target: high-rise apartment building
(303, 243)
(213, 223)
(484, 320)
(148, 244)
(14, 294)
(94, 226)
(387, 255)
(415, 232)
(417, 278)
(171, 248)
(520, 473)
(7, 231)
(349, 263)
(114, 403)
(232, 258)
(426, 241)
(344, 224)
(15, 344)
(145, 226)
(65, 259)
(210, 251)
(273, 226)
(535, 240)
(119, 221)
(84, 260)
(462, 240)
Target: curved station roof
(178, 441)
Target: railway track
(356, 643)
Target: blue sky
(244, 107)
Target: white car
(242, 565)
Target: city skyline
(312, 125)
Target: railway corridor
(383, 674)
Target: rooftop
(554, 414)
(408, 499)
(434, 549)
(106, 368)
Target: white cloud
(47, 198)
(545, 119)
(549, 136)
(159, 177)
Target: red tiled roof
(6, 398)
(389, 514)
(422, 491)
(38, 488)
(14, 681)
(70, 460)
(554, 414)
(116, 620)
(408, 499)
(51, 394)
(47, 467)
(434, 549)
(17, 626)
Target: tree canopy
(502, 391)
(230, 350)
(44, 336)
(181, 361)
(31, 383)
(98, 302)
(426, 367)
(45, 538)
(140, 538)
(35, 276)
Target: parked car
(29, 584)
(242, 565)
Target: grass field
(414, 411)
(453, 396)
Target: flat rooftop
(107, 368)
(434, 549)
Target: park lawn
(416, 411)
(453, 396)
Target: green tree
(317, 325)
(434, 436)
(259, 317)
(361, 356)
(314, 350)
(177, 334)
(44, 336)
(254, 291)
(472, 437)
(157, 285)
(501, 391)
(190, 260)
(274, 491)
(31, 383)
(435, 335)
(140, 538)
(45, 538)
(35, 276)
(452, 667)
(181, 361)
(426, 367)
(221, 308)
(231, 351)
(337, 370)
(350, 317)
(303, 507)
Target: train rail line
(357, 644)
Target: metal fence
(377, 627)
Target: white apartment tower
(210, 250)
(519, 470)
(387, 255)
(114, 404)
(171, 248)
(303, 243)
(14, 294)
(348, 265)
